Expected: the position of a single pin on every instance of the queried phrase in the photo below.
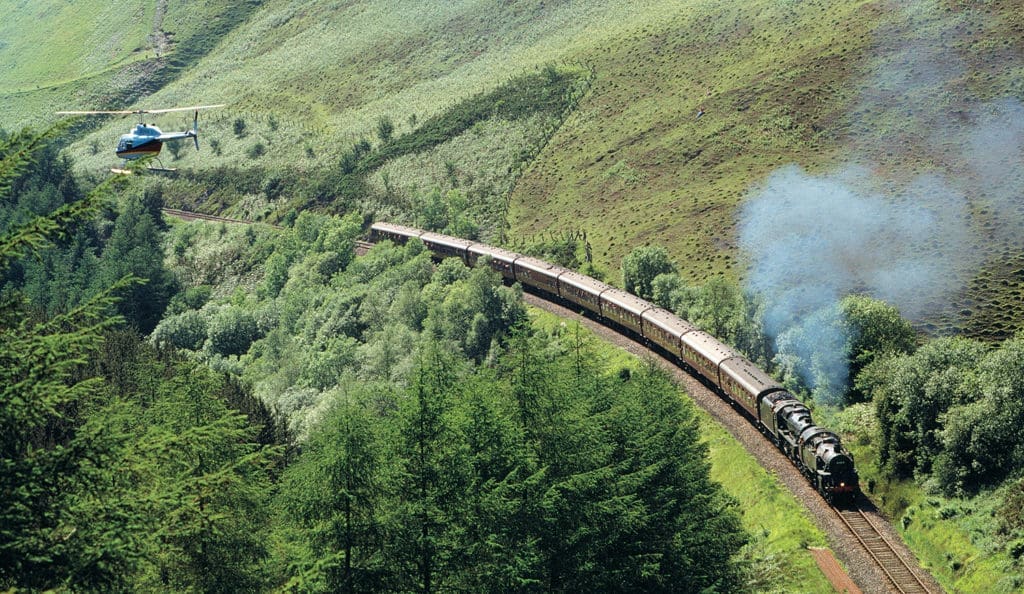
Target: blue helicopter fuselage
(145, 140)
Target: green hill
(823, 85)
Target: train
(817, 452)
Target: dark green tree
(55, 533)
(912, 394)
(476, 310)
(982, 441)
(500, 552)
(424, 547)
(134, 249)
(873, 329)
(205, 483)
(335, 497)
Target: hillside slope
(919, 105)
(895, 91)
(318, 74)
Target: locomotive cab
(793, 419)
(770, 406)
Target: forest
(370, 424)
(214, 408)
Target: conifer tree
(431, 481)
(335, 497)
(50, 536)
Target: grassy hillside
(50, 43)
(824, 85)
(55, 54)
(318, 75)
(896, 90)
(58, 55)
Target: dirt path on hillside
(161, 41)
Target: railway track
(188, 215)
(895, 567)
(362, 247)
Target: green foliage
(982, 440)
(534, 472)
(642, 266)
(597, 485)
(334, 493)
(186, 330)
(231, 331)
(257, 150)
(474, 311)
(192, 472)
(874, 329)
(948, 412)
(385, 128)
(446, 213)
(44, 462)
(117, 473)
(134, 249)
(516, 99)
(820, 355)
(912, 393)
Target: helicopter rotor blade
(139, 111)
(169, 110)
(97, 112)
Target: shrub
(186, 330)
(231, 331)
(385, 128)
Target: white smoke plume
(814, 238)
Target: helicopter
(146, 139)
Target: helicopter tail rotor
(195, 128)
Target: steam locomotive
(816, 451)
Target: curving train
(816, 451)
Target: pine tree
(134, 249)
(423, 546)
(48, 457)
(334, 496)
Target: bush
(186, 330)
(232, 331)
(385, 128)
(642, 266)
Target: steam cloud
(813, 239)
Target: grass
(780, 526)
(50, 43)
(763, 104)
(956, 539)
